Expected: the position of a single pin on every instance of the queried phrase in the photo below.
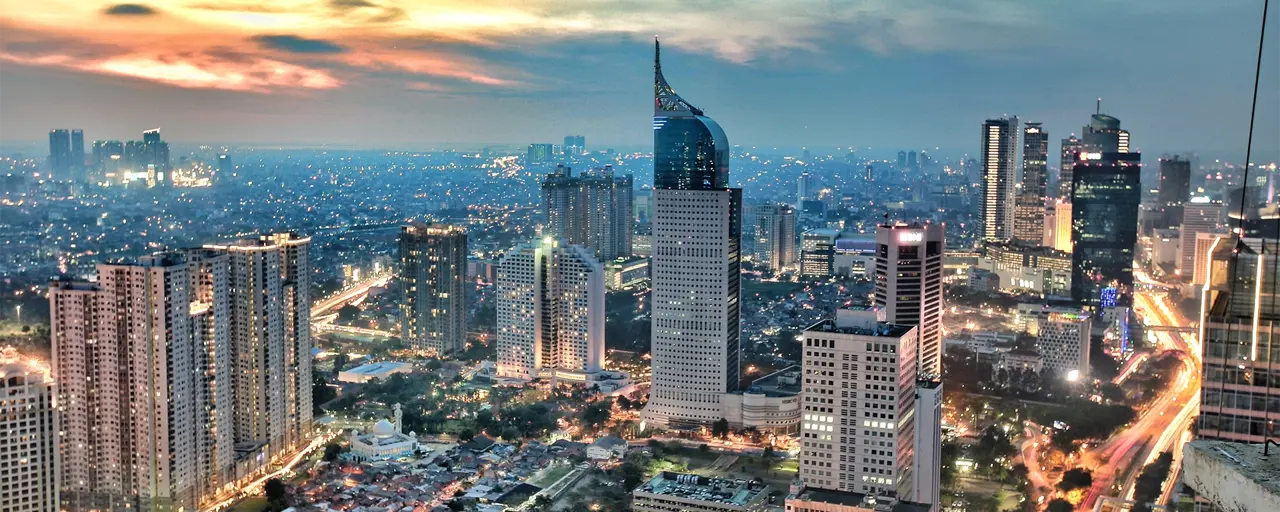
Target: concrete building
(1165, 248)
(593, 210)
(384, 441)
(909, 284)
(1106, 193)
(1071, 149)
(29, 424)
(624, 273)
(128, 387)
(381, 370)
(775, 237)
(1028, 221)
(1022, 267)
(858, 430)
(818, 253)
(1062, 339)
(550, 312)
(1205, 244)
(999, 177)
(770, 404)
(433, 278)
(270, 315)
(1232, 476)
(1058, 227)
(1174, 190)
(823, 500)
(668, 492)
(697, 234)
(926, 472)
(855, 255)
(1199, 215)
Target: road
(1161, 426)
(323, 313)
(1030, 458)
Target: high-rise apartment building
(433, 278)
(1240, 319)
(1106, 190)
(1071, 149)
(28, 436)
(818, 253)
(575, 144)
(108, 159)
(1029, 210)
(909, 284)
(858, 425)
(124, 356)
(550, 312)
(66, 154)
(592, 210)
(209, 290)
(541, 153)
(1174, 190)
(775, 237)
(902, 161)
(1199, 215)
(999, 168)
(805, 188)
(697, 229)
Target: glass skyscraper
(697, 226)
(1107, 191)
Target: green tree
(331, 452)
(720, 428)
(275, 491)
(1076, 478)
(595, 415)
(466, 435)
(321, 393)
(510, 434)
(1061, 505)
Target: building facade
(29, 425)
(1029, 209)
(908, 278)
(1062, 338)
(1107, 192)
(433, 278)
(1174, 190)
(999, 177)
(697, 233)
(550, 311)
(593, 210)
(818, 253)
(775, 237)
(1071, 148)
(1199, 215)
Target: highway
(323, 313)
(1162, 425)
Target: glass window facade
(1104, 226)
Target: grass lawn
(250, 504)
(551, 476)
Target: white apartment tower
(926, 473)
(124, 351)
(270, 312)
(999, 177)
(28, 436)
(909, 283)
(210, 291)
(858, 428)
(550, 312)
(775, 244)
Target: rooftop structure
(1233, 476)
(823, 500)
(379, 370)
(680, 491)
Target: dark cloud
(380, 14)
(130, 10)
(350, 4)
(296, 44)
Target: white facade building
(1062, 338)
(384, 440)
(909, 284)
(775, 243)
(999, 177)
(927, 471)
(28, 437)
(550, 312)
(858, 430)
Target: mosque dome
(384, 428)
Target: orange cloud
(202, 72)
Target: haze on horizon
(399, 74)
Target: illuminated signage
(1091, 156)
(911, 236)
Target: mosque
(384, 441)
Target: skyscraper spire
(665, 100)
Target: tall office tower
(818, 253)
(1104, 228)
(1174, 190)
(912, 163)
(540, 153)
(124, 357)
(592, 210)
(909, 284)
(107, 157)
(225, 167)
(66, 153)
(999, 165)
(1061, 238)
(858, 429)
(697, 229)
(1199, 215)
(210, 293)
(270, 316)
(927, 471)
(1028, 222)
(433, 278)
(902, 161)
(1240, 319)
(1071, 149)
(1104, 135)
(550, 312)
(871, 173)
(156, 151)
(28, 436)
(805, 188)
(775, 247)
(575, 144)
(1062, 339)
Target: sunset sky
(404, 74)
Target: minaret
(398, 416)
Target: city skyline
(276, 75)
